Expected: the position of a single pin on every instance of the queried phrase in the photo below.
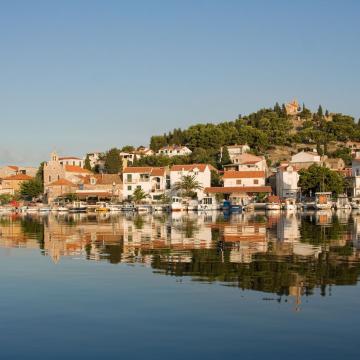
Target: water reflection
(284, 254)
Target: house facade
(244, 178)
(174, 150)
(10, 170)
(236, 150)
(201, 172)
(356, 177)
(247, 162)
(287, 178)
(12, 184)
(152, 180)
(304, 159)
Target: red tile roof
(76, 169)
(238, 189)
(153, 171)
(13, 167)
(17, 177)
(243, 174)
(191, 167)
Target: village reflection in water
(277, 253)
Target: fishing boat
(323, 201)
(355, 203)
(128, 207)
(290, 205)
(208, 203)
(176, 204)
(101, 207)
(231, 207)
(78, 207)
(342, 202)
(144, 208)
(273, 203)
(114, 207)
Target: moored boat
(78, 207)
(176, 204)
(323, 201)
(273, 203)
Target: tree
(320, 112)
(87, 164)
(113, 163)
(5, 198)
(188, 186)
(319, 178)
(31, 189)
(225, 156)
(216, 179)
(139, 195)
(128, 148)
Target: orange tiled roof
(13, 167)
(243, 174)
(191, 167)
(153, 171)
(76, 169)
(62, 182)
(18, 177)
(102, 179)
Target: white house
(287, 178)
(174, 150)
(244, 178)
(247, 162)
(304, 159)
(236, 150)
(356, 176)
(202, 173)
(152, 180)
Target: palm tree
(139, 195)
(187, 185)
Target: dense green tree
(225, 156)
(31, 189)
(319, 178)
(128, 148)
(113, 162)
(87, 164)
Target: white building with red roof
(244, 178)
(247, 162)
(152, 180)
(202, 173)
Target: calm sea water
(249, 286)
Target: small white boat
(128, 207)
(77, 207)
(44, 209)
(176, 204)
(144, 208)
(208, 203)
(32, 209)
(273, 203)
(101, 207)
(355, 203)
(343, 202)
(159, 208)
(290, 205)
(323, 201)
(114, 207)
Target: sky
(79, 76)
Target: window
(256, 181)
(129, 187)
(129, 178)
(238, 182)
(49, 178)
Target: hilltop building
(292, 108)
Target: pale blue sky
(86, 75)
